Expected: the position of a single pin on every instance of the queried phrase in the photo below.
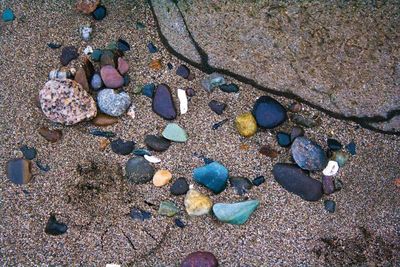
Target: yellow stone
(162, 177)
(196, 203)
(246, 124)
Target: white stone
(331, 169)
(112, 265)
(152, 159)
(131, 111)
(88, 50)
(183, 102)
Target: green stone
(340, 157)
(138, 89)
(168, 208)
(175, 133)
(235, 213)
(112, 46)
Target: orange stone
(104, 120)
(155, 64)
(104, 142)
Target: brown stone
(103, 143)
(269, 151)
(50, 135)
(108, 58)
(19, 171)
(104, 120)
(155, 64)
(81, 78)
(87, 6)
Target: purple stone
(328, 185)
(183, 71)
(200, 258)
(163, 103)
(217, 107)
(190, 92)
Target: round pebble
(111, 77)
(162, 177)
(99, 13)
(96, 82)
(121, 147)
(179, 187)
(138, 170)
(200, 259)
(268, 112)
(283, 139)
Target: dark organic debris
(219, 124)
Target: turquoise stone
(175, 133)
(213, 176)
(96, 55)
(168, 208)
(235, 213)
(8, 15)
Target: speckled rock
(308, 154)
(163, 104)
(111, 77)
(200, 259)
(87, 6)
(19, 171)
(235, 213)
(268, 112)
(65, 101)
(196, 203)
(112, 103)
(246, 124)
(162, 177)
(138, 170)
(214, 176)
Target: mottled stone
(268, 112)
(19, 171)
(214, 176)
(163, 104)
(200, 259)
(68, 54)
(168, 208)
(157, 143)
(155, 64)
(196, 203)
(211, 81)
(138, 170)
(87, 6)
(104, 120)
(304, 121)
(235, 213)
(111, 77)
(308, 154)
(50, 135)
(112, 103)
(162, 177)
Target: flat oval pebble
(162, 177)
(235, 213)
(196, 203)
(68, 54)
(296, 181)
(28, 152)
(53, 227)
(258, 180)
(229, 88)
(241, 185)
(112, 103)
(50, 135)
(268, 112)
(183, 71)
(175, 133)
(168, 208)
(157, 143)
(123, 66)
(121, 147)
(111, 77)
(308, 154)
(283, 139)
(99, 13)
(217, 107)
(200, 259)
(96, 82)
(179, 187)
(104, 120)
(246, 124)
(139, 214)
(19, 171)
(163, 104)
(334, 144)
(331, 169)
(138, 170)
(214, 176)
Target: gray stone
(308, 154)
(112, 103)
(138, 171)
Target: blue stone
(141, 152)
(213, 176)
(152, 48)
(268, 112)
(183, 71)
(96, 82)
(139, 214)
(148, 90)
(99, 13)
(229, 88)
(283, 139)
(308, 155)
(163, 104)
(179, 223)
(96, 55)
(123, 45)
(330, 206)
(8, 15)
(28, 152)
(334, 144)
(235, 213)
(351, 147)
(101, 133)
(258, 180)
(219, 124)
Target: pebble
(148, 90)
(328, 185)
(229, 88)
(152, 48)
(170, 66)
(157, 143)
(112, 103)
(139, 25)
(179, 187)
(108, 58)
(268, 151)
(190, 92)
(308, 154)
(121, 147)
(111, 77)
(175, 133)
(200, 259)
(268, 112)
(53, 227)
(123, 66)
(211, 81)
(88, 49)
(103, 143)
(351, 148)
(162, 177)
(82, 79)
(50, 135)
(183, 101)
(296, 132)
(8, 15)
(66, 102)
(155, 64)
(28, 152)
(53, 45)
(330, 206)
(219, 124)
(236, 213)
(104, 120)
(246, 124)
(331, 169)
(152, 159)
(127, 79)
(141, 152)
(304, 121)
(258, 180)
(214, 176)
(87, 6)
(338, 184)
(340, 157)
(99, 13)
(241, 185)
(296, 181)
(334, 145)
(100, 133)
(123, 45)
(163, 104)
(283, 139)
(295, 107)
(138, 170)
(19, 171)
(196, 203)
(96, 82)
(68, 54)
(183, 71)
(42, 167)
(168, 208)
(96, 55)
(139, 214)
(217, 107)
(178, 222)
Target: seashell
(85, 32)
(331, 169)
(183, 103)
(152, 159)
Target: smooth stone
(235, 213)
(217, 107)
(28, 152)
(258, 180)
(213, 176)
(104, 120)
(200, 259)
(108, 58)
(334, 144)
(163, 104)
(351, 148)
(183, 101)
(268, 112)
(53, 227)
(296, 181)
(162, 177)
(139, 214)
(340, 157)
(87, 6)
(50, 135)
(152, 48)
(179, 187)
(295, 107)
(82, 79)
(138, 170)
(196, 203)
(152, 159)
(328, 185)
(19, 171)
(241, 185)
(331, 169)
(8, 15)
(68, 54)
(308, 154)
(268, 151)
(296, 132)
(96, 55)
(99, 13)
(190, 92)
(96, 82)
(127, 79)
(121, 147)
(183, 71)
(123, 66)
(330, 206)
(304, 121)
(175, 133)
(111, 77)
(178, 222)
(123, 45)
(112, 103)
(141, 152)
(246, 124)
(148, 90)
(157, 143)
(283, 139)
(211, 81)
(229, 88)
(168, 208)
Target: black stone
(268, 112)
(296, 181)
(190, 92)
(28, 152)
(217, 107)
(179, 223)
(219, 124)
(99, 13)
(53, 45)
(139, 214)
(330, 206)
(179, 187)
(68, 54)
(296, 132)
(138, 170)
(283, 139)
(170, 66)
(53, 227)
(122, 147)
(229, 88)
(163, 104)
(258, 180)
(183, 71)
(123, 45)
(334, 144)
(157, 143)
(240, 184)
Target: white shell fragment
(152, 159)
(331, 169)
(85, 32)
(131, 111)
(112, 265)
(183, 102)
(88, 50)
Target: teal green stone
(113, 46)
(235, 213)
(168, 208)
(137, 89)
(213, 176)
(175, 133)
(340, 157)
(8, 15)
(96, 55)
